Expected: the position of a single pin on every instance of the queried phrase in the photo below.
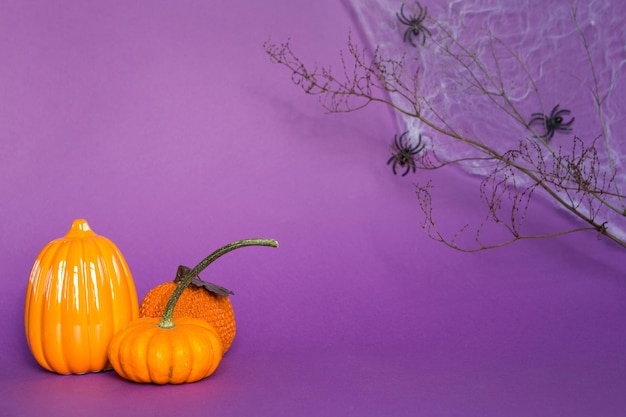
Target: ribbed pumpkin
(145, 352)
(200, 300)
(172, 350)
(79, 294)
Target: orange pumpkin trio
(81, 314)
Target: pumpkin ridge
(33, 315)
(180, 364)
(126, 287)
(156, 355)
(77, 345)
(134, 348)
(192, 354)
(47, 291)
(55, 352)
(207, 344)
(90, 294)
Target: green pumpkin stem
(166, 321)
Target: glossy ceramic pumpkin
(79, 294)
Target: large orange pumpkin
(79, 294)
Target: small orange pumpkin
(201, 300)
(168, 351)
(80, 292)
(146, 352)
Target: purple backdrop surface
(164, 124)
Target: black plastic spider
(403, 153)
(415, 24)
(553, 123)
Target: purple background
(164, 124)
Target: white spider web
(543, 36)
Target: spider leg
(567, 124)
(563, 111)
(554, 111)
(407, 145)
(422, 12)
(397, 142)
(402, 17)
(533, 127)
(406, 171)
(419, 140)
(538, 117)
(414, 150)
(562, 129)
(393, 167)
(548, 135)
(407, 33)
(536, 134)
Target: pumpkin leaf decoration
(198, 282)
(164, 350)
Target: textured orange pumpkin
(168, 350)
(79, 294)
(195, 301)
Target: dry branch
(572, 176)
